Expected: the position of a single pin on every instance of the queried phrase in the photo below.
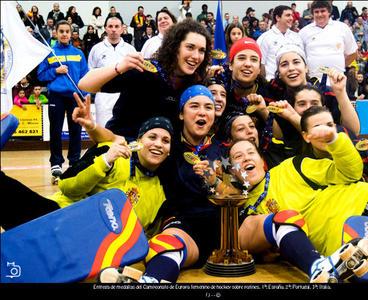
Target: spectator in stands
(267, 18)
(262, 28)
(234, 32)
(326, 42)
(53, 39)
(203, 14)
(56, 14)
(90, 39)
(211, 22)
(358, 30)
(76, 41)
(362, 86)
(226, 21)
(349, 13)
(21, 13)
(279, 35)
(74, 26)
(138, 23)
(246, 24)
(151, 22)
(164, 19)
(352, 83)
(253, 27)
(20, 99)
(35, 19)
(76, 18)
(364, 13)
(250, 13)
(114, 13)
(296, 14)
(37, 97)
(148, 34)
(236, 20)
(60, 95)
(24, 84)
(50, 26)
(295, 26)
(189, 15)
(126, 36)
(97, 21)
(307, 16)
(184, 8)
(106, 53)
(335, 13)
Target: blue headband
(193, 91)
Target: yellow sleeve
(84, 182)
(345, 167)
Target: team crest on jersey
(6, 60)
(133, 195)
(272, 206)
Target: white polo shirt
(270, 42)
(327, 46)
(104, 54)
(151, 46)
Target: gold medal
(251, 109)
(148, 66)
(324, 70)
(362, 145)
(218, 54)
(135, 146)
(275, 109)
(191, 158)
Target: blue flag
(220, 43)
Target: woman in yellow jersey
(325, 192)
(109, 165)
(300, 198)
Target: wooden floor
(32, 169)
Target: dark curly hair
(167, 53)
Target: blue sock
(297, 249)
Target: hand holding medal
(191, 158)
(135, 146)
(256, 102)
(148, 66)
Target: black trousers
(21, 204)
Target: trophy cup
(229, 260)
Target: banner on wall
(30, 120)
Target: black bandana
(156, 122)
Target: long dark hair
(167, 53)
(230, 27)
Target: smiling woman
(103, 167)
(181, 62)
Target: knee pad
(272, 225)
(162, 243)
(290, 217)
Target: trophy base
(230, 270)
